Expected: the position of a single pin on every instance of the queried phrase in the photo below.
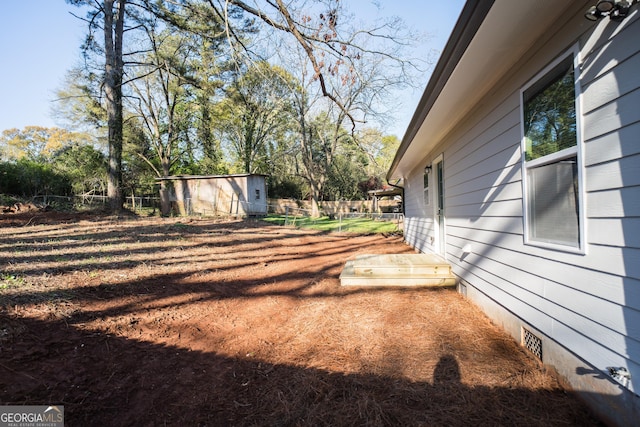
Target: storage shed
(238, 195)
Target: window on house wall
(552, 180)
(257, 194)
(425, 189)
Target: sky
(40, 41)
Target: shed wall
(228, 195)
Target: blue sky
(40, 40)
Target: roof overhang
(385, 192)
(488, 39)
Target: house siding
(586, 306)
(419, 228)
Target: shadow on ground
(238, 324)
(108, 380)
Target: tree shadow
(69, 356)
(125, 246)
(109, 380)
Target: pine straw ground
(201, 322)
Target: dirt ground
(239, 323)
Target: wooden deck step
(397, 270)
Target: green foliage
(255, 114)
(8, 200)
(84, 166)
(193, 105)
(27, 178)
(384, 156)
(36, 142)
(78, 104)
(10, 281)
(550, 114)
(286, 187)
(347, 170)
(48, 161)
(137, 176)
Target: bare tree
(332, 43)
(158, 99)
(324, 126)
(320, 28)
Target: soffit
(509, 29)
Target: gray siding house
(521, 167)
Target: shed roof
(177, 177)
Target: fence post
(340, 222)
(286, 215)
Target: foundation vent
(532, 343)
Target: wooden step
(400, 264)
(397, 270)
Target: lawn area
(205, 322)
(326, 224)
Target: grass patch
(352, 225)
(10, 280)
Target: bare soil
(239, 323)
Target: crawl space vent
(532, 343)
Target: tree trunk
(315, 197)
(165, 201)
(316, 182)
(113, 34)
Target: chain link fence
(299, 217)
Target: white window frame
(576, 151)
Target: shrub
(28, 178)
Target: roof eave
(472, 16)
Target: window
(551, 160)
(426, 187)
(257, 194)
